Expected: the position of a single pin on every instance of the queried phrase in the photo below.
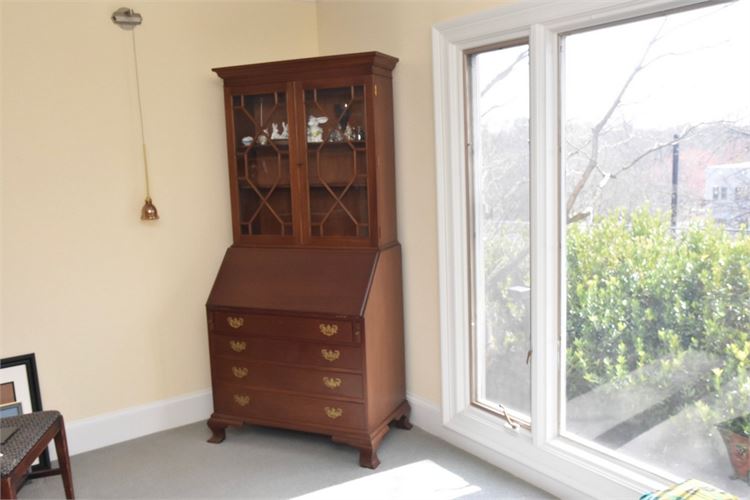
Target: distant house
(727, 193)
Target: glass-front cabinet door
(262, 180)
(337, 163)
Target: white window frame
(541, 455)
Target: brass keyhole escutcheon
(329, 330)
(242, 400)
(238, 345)
(235, 322)
(333, 413)
(332, 383)
(330, 355)
(239, 372)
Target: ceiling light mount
(126, 18)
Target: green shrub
(638, 294)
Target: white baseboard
(123, 425)
(427, 416)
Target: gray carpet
(262, 463)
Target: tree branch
(500, 76)
(686, 134)
(740, 131)
(597, 130)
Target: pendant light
(127, 19)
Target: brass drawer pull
(329, 330)
(330, 355)
(242, 400)
(333, 413)
(331, 383)
(235, 322)
(238, 345)
(239, 372)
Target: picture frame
(10, 409)
(20, 394)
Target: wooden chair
(34, 432)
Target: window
(580, 232)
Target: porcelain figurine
(314, 131)
(279, 132)
(263, 137)
(336, 135)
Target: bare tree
(591, 148)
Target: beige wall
(114, 307)
(2, 9)
(403, 30)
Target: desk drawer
(288, 378)
(241, 401)
(287, 351)
(321, 329)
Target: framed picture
(19, 393)
(10, 410)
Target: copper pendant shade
(127, 19)
(148, 212)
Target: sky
(703, 76)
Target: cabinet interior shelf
(284, 216)
(320, 215)
(359, 183)
(266, 148)
(312, 147)
(356, 144)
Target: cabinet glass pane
(337, 161)
(261, 138)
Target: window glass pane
(656, 146)
(500, 206)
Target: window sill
(561, 466)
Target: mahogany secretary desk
(305, 318)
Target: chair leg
(7, 489)
(61, 445)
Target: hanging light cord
(140, 116)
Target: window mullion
(545, 239)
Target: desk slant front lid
(294, 280)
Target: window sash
(476, 277)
